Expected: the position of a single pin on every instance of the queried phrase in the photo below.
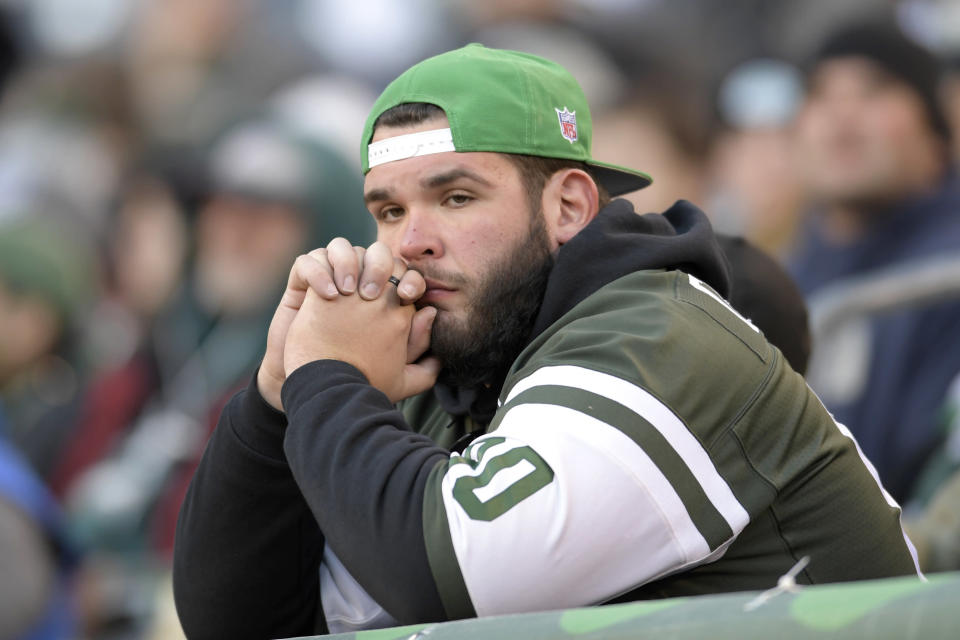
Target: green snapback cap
(496, 100)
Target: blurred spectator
(396, 33)
(952, 100)
(327, 107)
(145, 253)
(40, 292)
(45, 281)
(46, 284)
(873, 148)
(933, 516)
(58, 162)
(143, 423)
(755, 189)
(197, 65)
(35, 559)
(936, 24)
(763, 292)
(661, 123)
(936, 531)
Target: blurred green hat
(263, 160)
(40, 259)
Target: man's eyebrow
(375, 195)
(442, 179)
(431, 182)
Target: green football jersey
(650, 443)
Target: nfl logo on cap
(568, 124)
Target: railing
(891, 608)
(840, 312)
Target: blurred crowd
(162, 163)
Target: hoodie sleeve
(364, 473)
(247, 548)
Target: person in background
(873, 147)
(36, 558)
(657, 124)
(762, 291)
(141, 424)
(44, 286)
(932, 517)
(754, 187)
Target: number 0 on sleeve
(508, 479)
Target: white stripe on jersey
(886, 495)
(705, 288)
(608, 522)
(657, 414)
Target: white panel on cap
(422, 143)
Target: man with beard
(524, 396)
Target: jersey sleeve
(588, 487)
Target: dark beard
(500, 317)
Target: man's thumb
(420, 376)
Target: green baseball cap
(496, 100)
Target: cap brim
(619, 180)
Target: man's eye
(459, 199)
(391, 213)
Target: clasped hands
(338, 304)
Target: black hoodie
(616, 243)
(349, 465)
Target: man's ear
(572, 200)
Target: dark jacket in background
(915, 352)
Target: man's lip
(436, 293)
(433, 285)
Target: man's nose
(419, 238)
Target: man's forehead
(435, 123)
(852, 68)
